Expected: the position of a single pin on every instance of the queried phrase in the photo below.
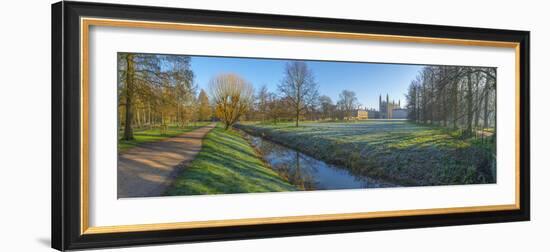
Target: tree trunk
(455, 103)
(144, 116)
(138, 118)
(128, 131)
(150, 117)
(297, 115)
(486, 109)
(118, 121)
(469, 105)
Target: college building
(386, 110)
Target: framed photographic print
(180, 125)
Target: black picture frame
(66, 156)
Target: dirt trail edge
(149, 169)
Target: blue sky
(367, 80)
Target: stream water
(306, 172)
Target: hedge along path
(147, 170)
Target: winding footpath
(147, 170)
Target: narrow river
(306, 172)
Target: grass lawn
(398, 151)
(153, 135)
(227, 164)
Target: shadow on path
(147, 170)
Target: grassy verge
(154, 135)
(227, 164)
(396, 151)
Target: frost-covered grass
(395, 150)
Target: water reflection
(308, 173)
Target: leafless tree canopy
(263, 102)
(232, 97)
(298, 87)
(454, 96)
(154, 90)
(348, 102)
(327, 108)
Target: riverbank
(395, 151)
(306, 172)
(227, 164)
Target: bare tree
(458, 97)
(232, 96)
(181, 79)
(137, 73)
(262, 98)
(327, 106)
(153, 89)
(412, 101)
(275, 107)
(348, 102)
(298, 87)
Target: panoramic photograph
(203, 125)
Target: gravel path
(147, 170)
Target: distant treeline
(297, 97)
(156, 90)
(454, 96)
